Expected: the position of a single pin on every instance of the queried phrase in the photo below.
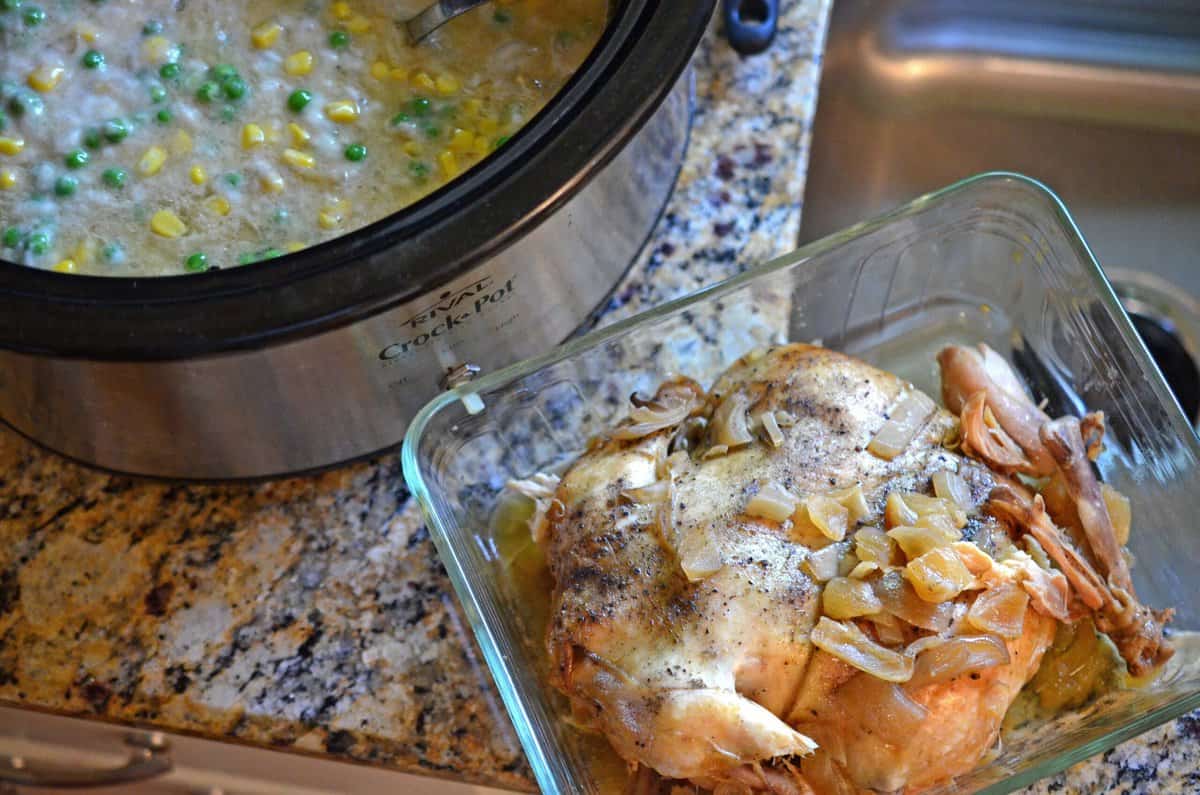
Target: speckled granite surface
(311, 613)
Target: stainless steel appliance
(322, 356)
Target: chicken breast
(681, 624)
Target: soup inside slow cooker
(162, 137)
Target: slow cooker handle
(750, 24)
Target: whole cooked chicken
(811, 578)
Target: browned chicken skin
(682, 625)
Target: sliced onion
(822, 565)
(900, 600)
(730, 426)
(958, 656)
(847, 598)
(896, 512)
(888, 628)
(1000, 610)
(1118, 510)
(651, 494)
(784, 419)
(650, 416)
(939, 575)
(851, 645)
(772, 502)
(699, 555)
(716, 451)
(541, 488)
(950, 486)
(771, 428)
(863, 570)
(916, 541)
(975, 559)
(854, 502)
(883, 708)
(873, 545)
(902, 425)
(829, 516)
(928, 507)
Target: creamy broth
(160, 137)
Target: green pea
(339, 39)
(356, 153)
(115, 130)
(114, 177)
(33, 16)
(152, 28)
(420, 106)
(170, 71)
(299, 99)
(157, 94)
(234, 87)
(3, 120)
(233, 178)
(77, 158)
(196, 262)
(24, 103)
(163, 116)
(91, 138)
(9, 5)
(207, 91)
(112, 252)
(38, 243)
(65, 186)
(400, 118)
(222, 72)
(12, 237)
(499, 142)
(92, 59)
(431, 130)
(419, 169)
(228, 112)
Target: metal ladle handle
(148, 758)
(437, 15)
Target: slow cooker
(322, 356)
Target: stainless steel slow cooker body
(322, 356)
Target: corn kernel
(480, 145)
(298, 63)
(424, 81)
(329, 219)
(447, 85)
(159, 49)
(181, 143)
(87, 31)
(379, 70)
(85, 250)
(167, 224)
(292, 246)
(252, 136)
(472, 106)
(341, 10)
(218, 205)
(343, 111)
(64, 266)
(488, 126)
(358, 24)
(8, 179)
(412, 148)
(461, 140)
(265, 35)
(11, 146)
(198, 175)
(272, 183)
(398, 73)
(152, 161)
(298, 159)
(448, 163)
(45, 78)
(300, 136)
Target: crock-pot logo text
(452, 309)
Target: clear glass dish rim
(496, 662)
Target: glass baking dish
(995, 258)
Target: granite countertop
(312, 614)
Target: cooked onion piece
(873, 545)
(822, 565)
(540, 487)
(771, 429)
(939, 575)
(900, 600)
(828, 515)
(730, 426)
(902, 425)
(851, 645)
(699, 555)
(847, 598)
(651, 416)
(772, 502)
(1000, 610)
(931, 507)
(883, 708)
(958, 656)
(916, 541)
(863, 569)
(896, 511)
(854, 502)
(950, 486)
